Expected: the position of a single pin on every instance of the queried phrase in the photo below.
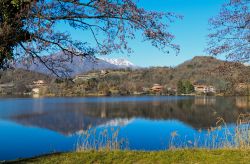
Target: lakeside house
(204, 89)
(35, 90)
(243, 87)
(37, 86)
(157, 88)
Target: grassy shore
(172, 156)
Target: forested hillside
(224, 76)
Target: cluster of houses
(199, 88)
(156, 88)
(36, 86)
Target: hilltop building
(104, 72)
(90, 76)
(85, 77)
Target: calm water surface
(31, 127)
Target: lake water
(31, 127)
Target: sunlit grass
(143, 157)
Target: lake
(36, 126)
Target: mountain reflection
(69, 117)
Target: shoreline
(167, 156)
(114, 96)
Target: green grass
(224, 156)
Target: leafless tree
(32, 28)
(230, 31)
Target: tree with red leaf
(230, 31)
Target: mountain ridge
(64, 66)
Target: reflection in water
(117, 122)
(70, 117)
(243, 102)
(147, 122)
(205, 100)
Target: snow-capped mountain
(67, 67)
(247, 64)
(119, 62)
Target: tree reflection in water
(69, 117)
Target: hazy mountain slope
(67, 67)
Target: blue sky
(190, 32)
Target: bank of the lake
(171, 156)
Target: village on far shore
(40, 87)
(202, 75)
